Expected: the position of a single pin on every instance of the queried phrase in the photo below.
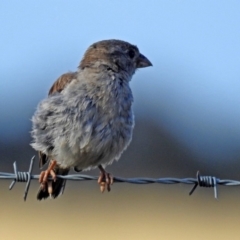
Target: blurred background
(187, 110)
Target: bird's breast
(101, 124)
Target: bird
(87, 120)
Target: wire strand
(199, 181)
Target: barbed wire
(201, 181)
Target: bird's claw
(44, 175)
(105, 180)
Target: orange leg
(44, 175)
(105, 179)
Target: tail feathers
(57, 186)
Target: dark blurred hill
(152, 153)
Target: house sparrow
(87, 120)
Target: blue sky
(192, 90)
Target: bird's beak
(142, 62)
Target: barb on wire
(201, 181)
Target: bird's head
(116, 55)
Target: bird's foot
(105, 179)
(43, 177)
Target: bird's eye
(131, 53)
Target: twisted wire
(199, 181)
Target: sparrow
(87, 119)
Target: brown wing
(58, 86)
(62, 82)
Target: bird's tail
(57, 186)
